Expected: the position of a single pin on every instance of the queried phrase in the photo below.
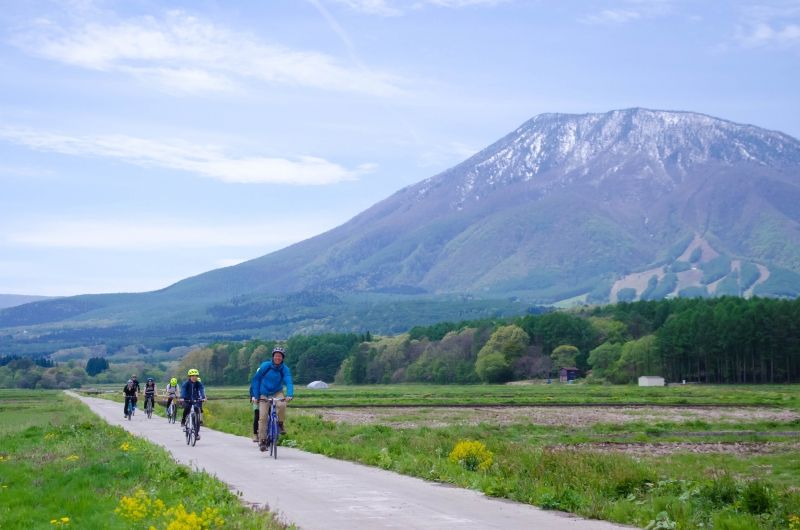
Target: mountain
(12, 300)
(623, 205)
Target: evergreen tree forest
(720, 340)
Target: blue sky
(145, 141)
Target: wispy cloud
(628, 11)
(769, 27)
(208, 161)
(156, 234)
(182, 53)
(390, 8)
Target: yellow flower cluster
(140, 507)
(72, 458)
(125, 446)
(472, 455)
(49, 436)
(794, 522)
(4, 458)
(64, 521)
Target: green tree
(564, 356)
(493, 367)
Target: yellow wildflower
(72, 458)
(471, 455)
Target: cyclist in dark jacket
(191, 390)
(138, 389)
(129, 390)
(268, 381)
(150, 392)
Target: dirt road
(316, 492)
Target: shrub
(757, 497)
(472, 455)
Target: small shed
(568, 374)
(651, 380)
(317, 384)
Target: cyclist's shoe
(197, 436)
(280, 426)
(262, 446)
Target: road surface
(317, 492)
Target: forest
(720, 340)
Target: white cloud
(181, 53)
(389, 8)
(776, 27)
(158, 234)
(629, 11)
(764, 35)
(209, 161)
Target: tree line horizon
(718, 340)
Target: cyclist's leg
(186, 408)
(255, 424)
(263, 415)
(125, 406)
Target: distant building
(565, 375)
(651, 380)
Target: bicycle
(192, 426)
(129, 408)
(273, 431)
(148, 406)
(172, 412)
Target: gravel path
(316, 492)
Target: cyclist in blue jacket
(191, 390)
(269, 381)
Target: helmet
(133, 376)
(193, 371)
(278, 349)
(130, 381)
(173, 381)
(149, 379)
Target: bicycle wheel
(195, 428)
(187, 430)
(274, 434)
(149, 410)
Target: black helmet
(150, 379)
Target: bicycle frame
(273, 432)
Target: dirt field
(413, 417)
(581, 417)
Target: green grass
(546, 466)
(62, 466)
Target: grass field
(60, 466)
(693, 456)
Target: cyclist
(191, 390)
(129, 391)
(138, 389)
(268, 382)
(150, 392)
(171, 391)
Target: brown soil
(413, 417)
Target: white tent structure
(651, 380)
(317, 384)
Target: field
(62, 467)
(723, 457)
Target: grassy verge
(61, 466)
(552, 467)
